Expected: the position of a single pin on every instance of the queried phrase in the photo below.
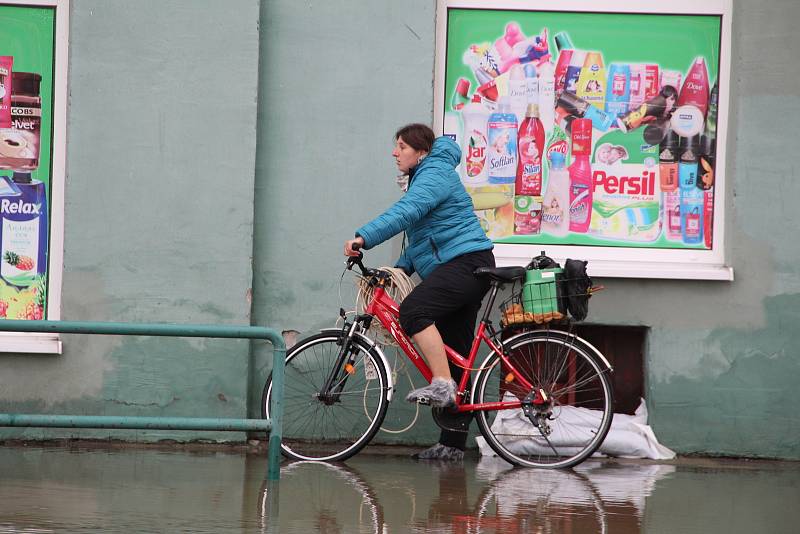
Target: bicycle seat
(501, 274)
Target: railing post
(276, 410)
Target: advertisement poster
(26, 95)
(586, 128)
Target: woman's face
(405, 156)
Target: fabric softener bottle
(580, 177)
(502, 150)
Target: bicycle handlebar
(373, 275)
(357, 260)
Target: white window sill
(28, 343)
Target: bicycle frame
(386, 310)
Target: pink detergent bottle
(580, 177)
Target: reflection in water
(624, 486)
(134, 490)
(322, 497)
(338, 498)
(524, 500)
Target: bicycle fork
(342, 367)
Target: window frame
(47, 343)
(614, 261)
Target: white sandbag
(629, 436)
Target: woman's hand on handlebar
(351, 247)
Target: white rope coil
(398, 288)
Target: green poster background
(28, 34)
(671, 41)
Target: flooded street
(79, 489)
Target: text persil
(625, 185)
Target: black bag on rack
(575, 285)
(543, 261)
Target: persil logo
(28, 208)
(625, 185)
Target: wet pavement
(122, 489)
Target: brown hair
(417, 136)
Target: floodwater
(80, 489)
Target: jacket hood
(444, 150)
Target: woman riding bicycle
(445, 245)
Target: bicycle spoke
(335, 424)
(567, 421)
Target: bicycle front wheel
(336, 425)
(567, 413)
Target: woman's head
(412, 142)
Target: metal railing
(274, 425)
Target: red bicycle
(542, 398)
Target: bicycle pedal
(424, 401)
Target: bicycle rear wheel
(337, 427)
(571, 405)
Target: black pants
(450, 297)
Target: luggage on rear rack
(549, 293)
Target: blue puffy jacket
(436, 213)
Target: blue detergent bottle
(501, 159)
(618, 89)
(691, 198)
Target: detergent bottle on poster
(560, 72)
(547, 97)
(474, 144)
(672, 215)
(502, 151)
(23, 241)
(555, 209)
(517, 92)
(580, 177)
(580, 108)
(592, 80)
(531, 84)
(460, 95)
(531, 148)
(565, 50)
(708, 215)
(695, 87)
(691, 196)
(563, 42)
(618, 90)
(668, 162)
(574, 71)
(637, 89)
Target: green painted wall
(336, 81)
(159, 213)
(721, 363)
(173, 213)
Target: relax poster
(26, 126)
